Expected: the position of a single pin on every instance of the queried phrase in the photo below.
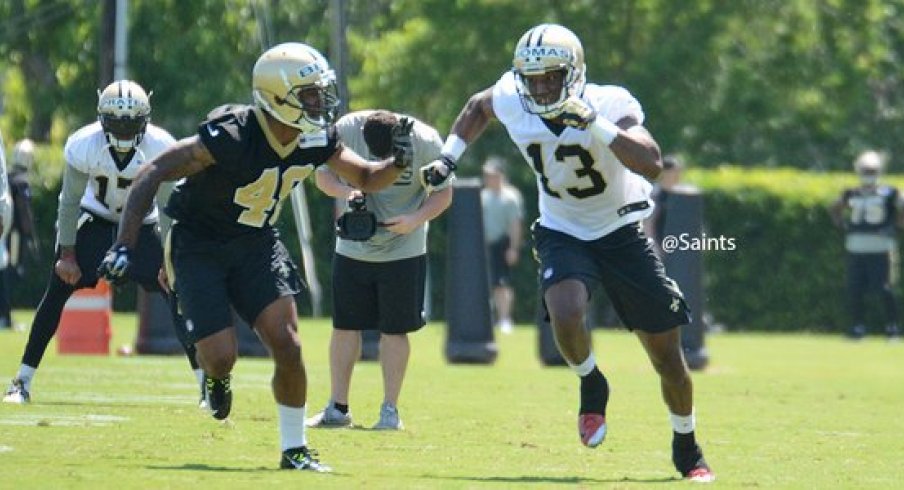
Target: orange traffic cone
(85, 324)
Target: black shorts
(94, 238)
(384, 296)
(499, 267)
(868, 271)
(628, 269)
(248, 272)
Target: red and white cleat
(592, 429)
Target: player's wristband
(604, 129)
(67, 253)
(454, 147)
(448, 162)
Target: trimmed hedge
(787, 272)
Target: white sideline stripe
(88, 420)
(6, 449)
(149, 399)
(84, 304)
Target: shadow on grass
(526, 479)
(232, 469)
(207, 467)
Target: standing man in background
(379, 282)
(870, 216)
(654, 226)
(503, 211)
(23, 238)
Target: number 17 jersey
(584, 190)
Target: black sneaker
(16, 393)
(689, 462)
(302, 458)
(218, 396)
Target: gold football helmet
(124, 109)
(868, 166)
(24, 154)
(543, 49)
(293, 82)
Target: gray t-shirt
(403, 196)
(499, 211)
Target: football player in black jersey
(870, 215)
(222, 248)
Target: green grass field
(774, 411)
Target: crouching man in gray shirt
(378, 282)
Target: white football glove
(576, 113)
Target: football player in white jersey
(593, 161)
(102, 158)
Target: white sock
(683, 424)
(584, 368)
(199, 374)
(291, 426)
(25, 373)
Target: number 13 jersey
(584, 190)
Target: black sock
(342, 407)
(686, 454)
(683, 440)
(594, 392)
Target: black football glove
(436, 172)
(115, 265)
(402, 150)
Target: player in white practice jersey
(102, 159)
(593, 160)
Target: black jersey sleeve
(223, 133)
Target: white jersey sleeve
(506, 101)
(79, 147)
(158, 140)
(614, 103)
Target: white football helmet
(124, 110)
(543, 49)
(868, 166)
(293, 82)
(24, 154)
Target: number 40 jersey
(109, 179)
(252, 174)
(584, 190)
